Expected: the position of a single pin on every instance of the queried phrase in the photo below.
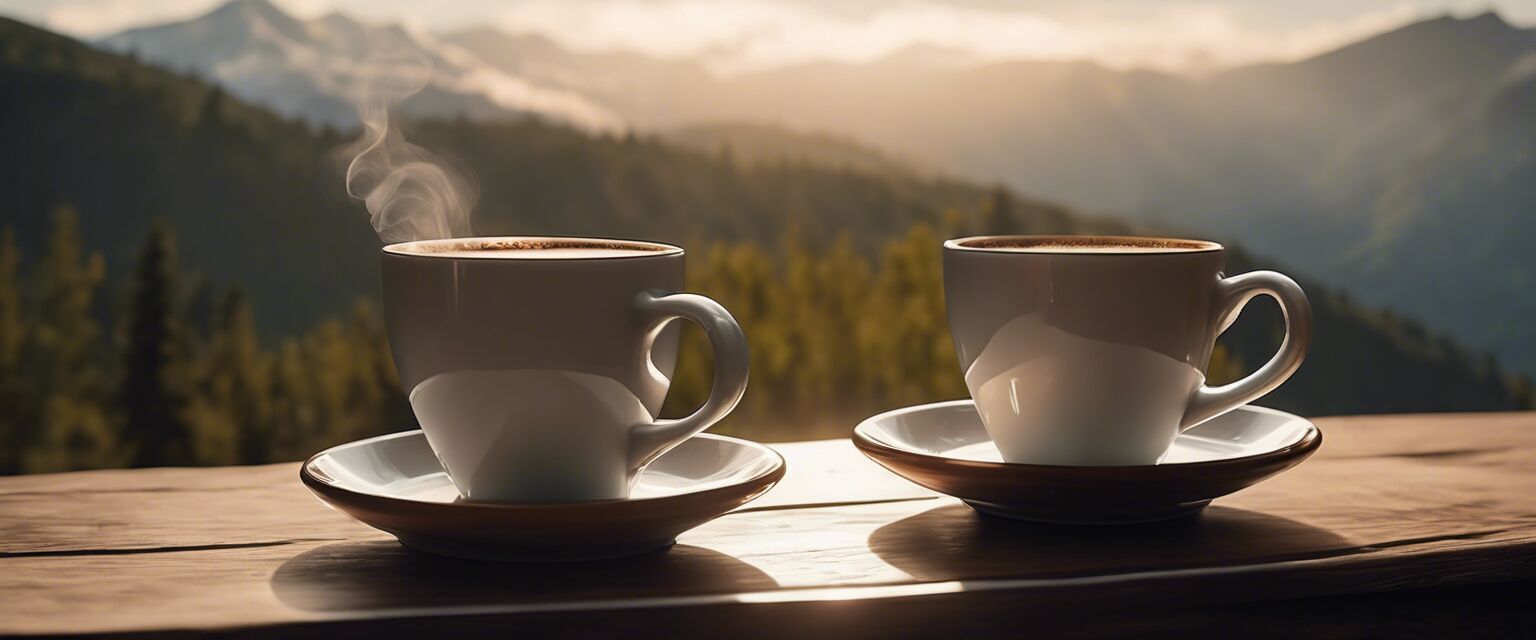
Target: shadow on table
(383, 575)
(956, 543)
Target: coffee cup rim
(652, 249)
(1155, 245)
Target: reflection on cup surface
(1048, 395)
(531, 435)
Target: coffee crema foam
(530, 249)
(1088, 244)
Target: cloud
(747, 34)
(100, 17)
(751, 34)
(92, 18)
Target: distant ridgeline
(155, 224)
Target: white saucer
(944, 447)
(394, 483)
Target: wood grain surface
(841, 547)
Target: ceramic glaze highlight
(506, 430)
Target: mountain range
(1398, 167)
(318, 69)
(255, 201)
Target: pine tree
(73, 428)
(361, 394)
(327, 349)
(827, 295)
(844, 276)
(17, 399)
(295, 417)
(154, 385)
(231, 412)
(907, 347)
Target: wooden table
(1399, 526)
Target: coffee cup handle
(1232, 294)
(647, 441)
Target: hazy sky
(757, 33)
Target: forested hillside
(1358, 164)
(181, 280)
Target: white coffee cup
(1092, 350)
(537, 366)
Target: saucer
(944, 447)
(394, 483)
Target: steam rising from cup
(410, 193)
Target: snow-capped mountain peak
(317, 69)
